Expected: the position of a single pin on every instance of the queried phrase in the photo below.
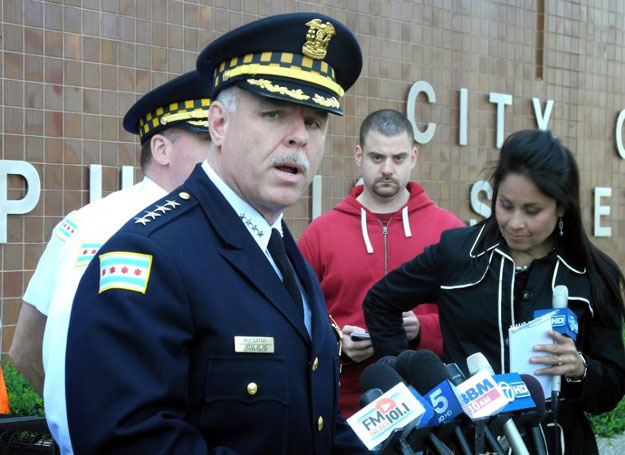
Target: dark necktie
(278, 253)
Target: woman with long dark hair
(488, 277)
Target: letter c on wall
(417, 88)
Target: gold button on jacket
(252, 388)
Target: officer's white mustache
(297, 157)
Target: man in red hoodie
(383, 223)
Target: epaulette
(339, 334)
(162, 212)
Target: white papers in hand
(522, 338)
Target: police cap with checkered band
(304, 58)
(182, 102)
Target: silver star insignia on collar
(171, 204)
(152, 214)
(162, 209)
(143, 220)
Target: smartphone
(359, 336)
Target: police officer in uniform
(200, 328)
(172, 123)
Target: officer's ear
(161, 147)
(218, 122)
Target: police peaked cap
(182, 102)
(304, 58)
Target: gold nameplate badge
(260, 345)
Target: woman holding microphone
(487, 277)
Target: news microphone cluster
(450, 406)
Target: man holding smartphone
(383, 223)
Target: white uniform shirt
(97, 222)
(41, 284)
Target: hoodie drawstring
(365, 233)
(404, 216)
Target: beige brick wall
(70, 70)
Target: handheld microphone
(379, 376)
(456, 376)
(520, 403)
(380, 424)
(426, 373)
(536, 391)
(563, 320)
(421, 369)
(383, 376)
(560, 300)
(476, 363)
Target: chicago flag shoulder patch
(67, 227)
(86, 252)
(125, 270)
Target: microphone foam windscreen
(536, 391)
(478, 362)
(421, 369)
(389, 360)
(560, 296)
(379, 375)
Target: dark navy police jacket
(156, 370)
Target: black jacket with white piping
(471, 279)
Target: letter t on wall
(501, 100)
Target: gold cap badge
(317, 39)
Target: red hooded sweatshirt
(349, 252)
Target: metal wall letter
(601, 231)
(418, 87)
(477, 204)
(462, 130)
(501, 99)
(542, 119)
(619, 134)
(20, 206)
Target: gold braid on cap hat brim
(295, 94)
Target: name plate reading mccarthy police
(263, 345)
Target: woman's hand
(562, 356)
